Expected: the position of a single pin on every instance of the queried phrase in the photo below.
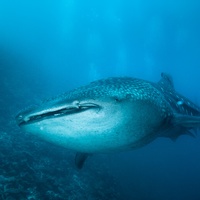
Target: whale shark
(112, 115)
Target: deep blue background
(48, 47)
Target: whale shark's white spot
(179, 103)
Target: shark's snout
(19, 119)
(26, 119)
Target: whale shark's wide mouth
(25, 118)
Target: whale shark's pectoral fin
(80, 159)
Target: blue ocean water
(49, 47)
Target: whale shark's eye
(116, 99)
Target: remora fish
(112, 115)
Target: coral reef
(33, 169)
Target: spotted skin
(112, 115)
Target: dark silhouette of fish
(112, 115)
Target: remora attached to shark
(112, 115)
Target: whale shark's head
(65, 116)
(107, 115)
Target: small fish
(112, 115)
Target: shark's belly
(102, 141)
(122, 131)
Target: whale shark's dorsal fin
(166, 81)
